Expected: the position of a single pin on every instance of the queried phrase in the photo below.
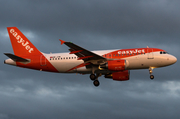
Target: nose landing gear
(151, 77)
(151, 71)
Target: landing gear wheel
(151, 77)
(96, 83)
(151, 71)
(93, 77)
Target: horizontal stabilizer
(16, 58)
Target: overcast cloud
(94, 25)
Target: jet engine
(119, 76)
(115, 65)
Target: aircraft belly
(65, 66)
(70, 66)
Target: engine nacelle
(119, 76)
(115, 65)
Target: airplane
(115, 64)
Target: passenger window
(161, 52)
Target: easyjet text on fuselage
(132, 51)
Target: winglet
(62, 42)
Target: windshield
(162, 52)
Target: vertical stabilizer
(21, 45)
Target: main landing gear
(94, 78)
(151, 71)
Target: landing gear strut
(94, 78)
(151, 71)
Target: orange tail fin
(21, 45)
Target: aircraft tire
(92, 77)
(151, 77)
(96, 83)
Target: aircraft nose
(173, 59)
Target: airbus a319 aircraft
(114, 64)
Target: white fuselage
(63, 62)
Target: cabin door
(43, 60)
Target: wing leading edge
(83, 54)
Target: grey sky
(94, 25)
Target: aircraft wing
(84, 54)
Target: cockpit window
(163, 52)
